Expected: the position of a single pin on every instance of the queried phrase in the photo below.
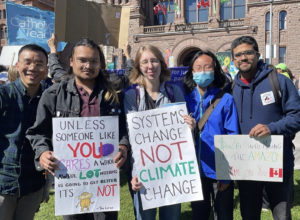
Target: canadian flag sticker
(275, 172)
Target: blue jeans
(171, 212)
(280, 196)
(222, 201)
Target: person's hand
(136, 185)
(259, 131)
(126, 51)
(47, 161)
(190, 121)
(222, 186)
(52, 43)
(121, 157)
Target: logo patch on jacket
(267, 98)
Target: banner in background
(29, 25)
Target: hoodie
(255, 105)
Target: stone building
(46, 5)
(215, 27)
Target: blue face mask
(203, 79)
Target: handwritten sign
(164, 154)
(87, 179)
(239, 157)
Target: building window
(115, 63)
(268, 21)
(0, 14)
(193, 14)
(233, 9)
(4, 14)
(160, 18)
(282, 20)
(2, 33)
(282, 52)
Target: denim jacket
(62, 100)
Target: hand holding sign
(53, 43)
(259, 131)
(121, 157)
(47, 161)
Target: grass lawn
(47, 210)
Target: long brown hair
(103, 75)
(13, 73)
(138, 77)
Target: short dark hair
(244, 40)
(33, 47)
(188, 82)
(2, 68)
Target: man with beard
(258, 117)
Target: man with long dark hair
(85, 92)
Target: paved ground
(296, 142)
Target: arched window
(282, 20)
(268, 21)
(195, 14)
(233, 9)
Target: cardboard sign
(7, 53)
(87, 179)
(164, 155)
(99, 22)
(29, 25)
(239, 157)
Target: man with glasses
(260, 117)
(21, 185)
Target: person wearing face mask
(202, 84)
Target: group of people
(87, 90)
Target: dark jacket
(283, 120)
(18, 110)
(62, 99)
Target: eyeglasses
(93, 63)
(154, 62)
(247, 53)
(36, 66)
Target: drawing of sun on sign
(85, 201)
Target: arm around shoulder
(40, 134)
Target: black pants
(222, 201)
(92, 216)
(280, 195)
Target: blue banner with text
(29, 25)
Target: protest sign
(164, 155)
(99, 22)
(29, 25)
(87, 179)
(239, 157)
(7, 53)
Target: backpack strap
(276, 89)
(232, 86)
(170, 92)
(137, 94)
(210, 109)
